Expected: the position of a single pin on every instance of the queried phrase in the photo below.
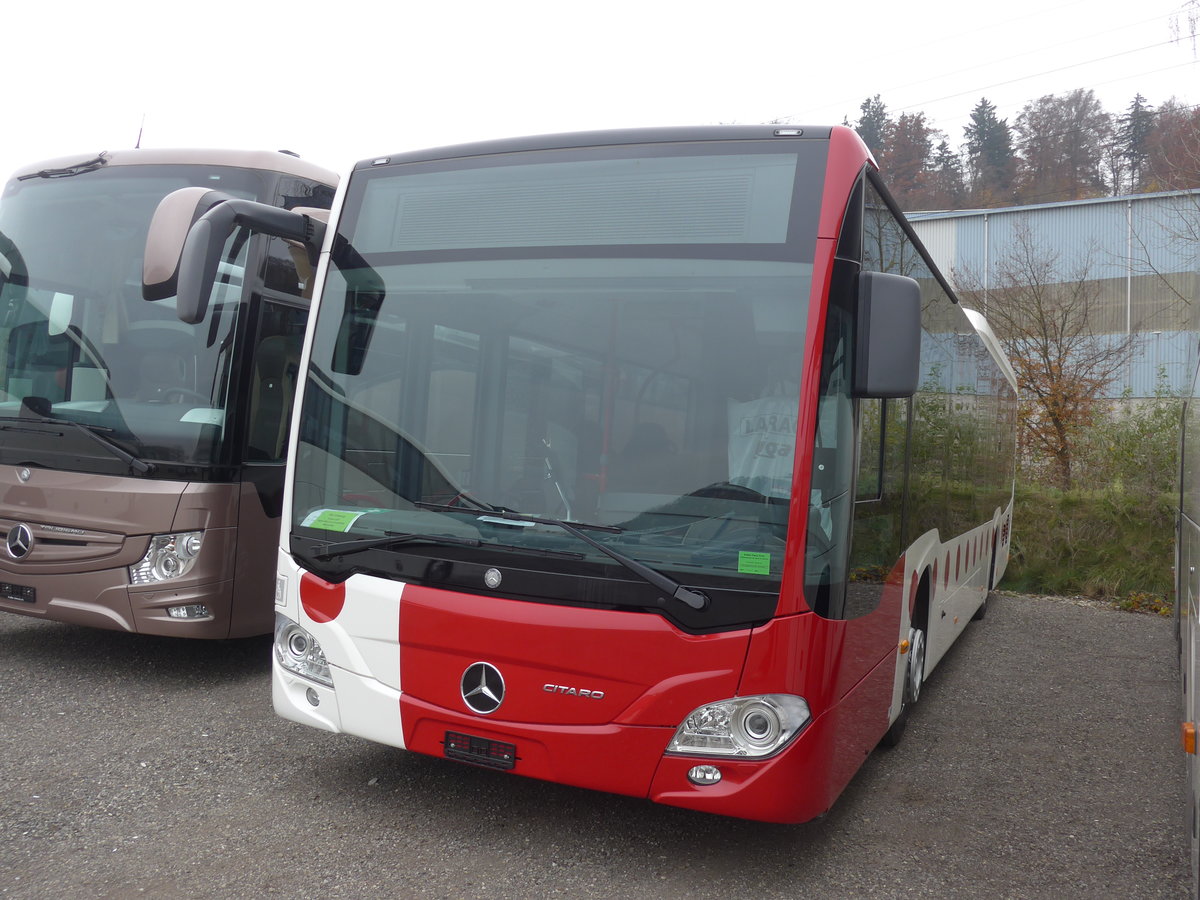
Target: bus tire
(914, 679)
(982, 611)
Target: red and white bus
(659, 462)
(141, 453)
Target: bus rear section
(600, 477)
(141, 456)
(1187, 602)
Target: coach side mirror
(173, 219)
(199, 262)
(887, 359)
(365, 293)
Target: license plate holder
(480, 751)
(19, 592)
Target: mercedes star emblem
(482, 688)
(19, 541)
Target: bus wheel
(982, 611)
(914, 678)
(916, 667)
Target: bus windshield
(613, 341)
(78, 344)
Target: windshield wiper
(506, 515)
(138, 465)
(479, 505)
(90, 165)
(358, 545)
(664, 583)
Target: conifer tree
(874, 126)
(1133, 130)
(945, 188)
(990, 160)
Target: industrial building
(1139, 256)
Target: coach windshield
(80, 347)
(607, 338)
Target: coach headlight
(746, 727)
(168, 556)
(299, 653)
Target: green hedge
(1109, 543)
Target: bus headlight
(747, 727)
(168, 556)
(300, 653)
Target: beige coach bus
(141, 454)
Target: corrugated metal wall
(1139, 254)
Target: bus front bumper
(791, 786)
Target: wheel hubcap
(916, 664)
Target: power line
(1011, 108)
(1091, 37)
(1057, 45)
(1053, 71)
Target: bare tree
(1043, 313)
(1172, 163)
(1186, 21)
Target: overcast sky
(345, 80)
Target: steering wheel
(727, 490)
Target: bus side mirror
(365, 293)
(205, 242)
(173, 219)
(887, 359)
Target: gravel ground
(1043, 761)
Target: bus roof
(268, 160)
(571, 140)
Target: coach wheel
(916, 666)
(914, 678)
(982, 611)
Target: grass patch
(1109, 544)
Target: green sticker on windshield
(332, 519)
(750, 563)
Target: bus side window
(879, 510)
(832, 468)
(37, 362)
(273, 381)
(882, 427)
(286, 266)
(861, 518)
(872, 429)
